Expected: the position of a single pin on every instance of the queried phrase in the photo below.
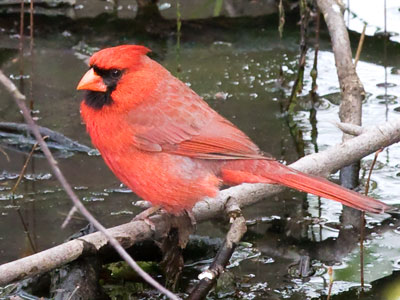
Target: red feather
(165, 143)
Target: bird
(165, 143)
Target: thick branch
(351, 87)
(321, 163)
(352, 90)
(126, 235)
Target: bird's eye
(115, 73)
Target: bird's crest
(123, 57)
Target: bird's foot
(144, 216)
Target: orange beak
(92, 82)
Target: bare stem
(24, 168)
(4, 153)
(362, 236)
(31, 25)
(330, 273)
(21, 175)
(360, 46)
(362, 220)
(21, 27)
(281, 18)
(31, 54)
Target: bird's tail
(269, 171)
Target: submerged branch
(19, 135)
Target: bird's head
(109, 69)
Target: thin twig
(21, 44)
(5, 154)
(330, 273)
(31, 25)
(362, 236)
(68, 218)
(21, 27)
(314, 86)
(21, 175)
(281, 18)
(178, 37)
(20, 100)
(314, 70)
(298, 84)
(385, 57)
(24, 167)
(362, 220)
(209, 277)
(75, 290)
(31, 55)
(26, 231)
(360, 45)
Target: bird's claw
(144, 216)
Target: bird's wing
(182, 123)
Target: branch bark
(351, 87)
(350, 129)
(352, 90)
(321, 163)
(126, 235)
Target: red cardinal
(166, 144)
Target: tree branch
(233, 237)
(351, 88)
(350, 129)
(321, 163)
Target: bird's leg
(173, 244)
(191, 217)
(146, 213)
(144, 216)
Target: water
(236, 72)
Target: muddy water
(243, 66)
